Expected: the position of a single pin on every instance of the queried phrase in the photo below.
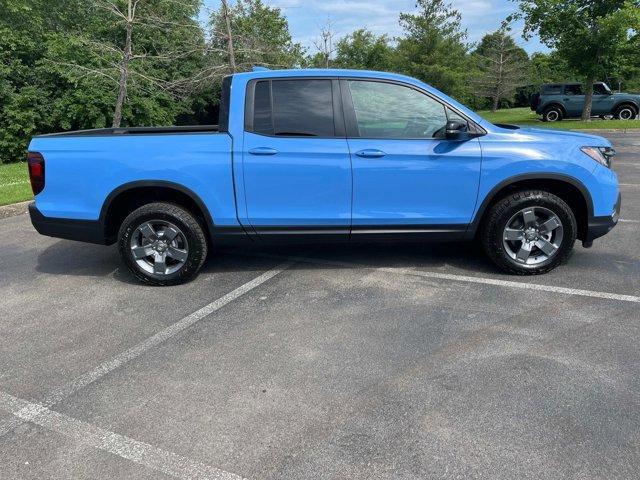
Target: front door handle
(370, 153)
(263, 151)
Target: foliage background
(59, 61)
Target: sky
(306, 17)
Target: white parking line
(128, 448)
(624, 220)
(629, 185)
(511, 284)
(463, 278)
(66, 390)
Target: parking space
(356, 362)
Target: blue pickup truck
(325, 155)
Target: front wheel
(625, 112)
(529, 232)
(162, 244)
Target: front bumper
(89, 231)
(600, 226)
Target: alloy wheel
(533, 235)
(626, 114)
(159, 247)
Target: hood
(554, 136)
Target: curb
(14, 209)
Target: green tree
(549, 68)
(433, 48)
(364, 50)
(259, 35)
(502, 67)
(26, 88)
(145, 51)
(589, 34)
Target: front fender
(511, 157)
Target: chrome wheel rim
(552, 116)
(159, 247)
(626, 114)
(533, 236)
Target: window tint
(262, 121)
(573, 90)
(552, 89)
(386, 110)
(600, 89)
(294, 108)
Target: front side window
(600, 89)
(573, 90)
(387, 110)
(296, 108)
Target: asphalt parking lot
(359, 362)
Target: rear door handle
(263, 151)
(370, 153)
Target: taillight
(36, 171)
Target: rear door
(296, 163)
(406, 176)
(573, 100)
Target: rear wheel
(162, 244)
(529, 232)
(552, 114)
(625, 112)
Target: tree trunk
(588, 99)
(227, 21)
(124, 77)
(494, 107)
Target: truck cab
(325, 155)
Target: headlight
(602, 155)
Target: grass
(14, 183)
(524, 116)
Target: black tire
(552, 114)
(625, 112)
(191, 234)
(493, 230)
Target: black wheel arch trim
(622, 103)
(554, 104)
(492, 195)
(160, 184)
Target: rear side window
(552, 89)
(296, 108)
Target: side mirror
(456, 131)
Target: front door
(602, 100)
(406, 176)
(296, 163)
